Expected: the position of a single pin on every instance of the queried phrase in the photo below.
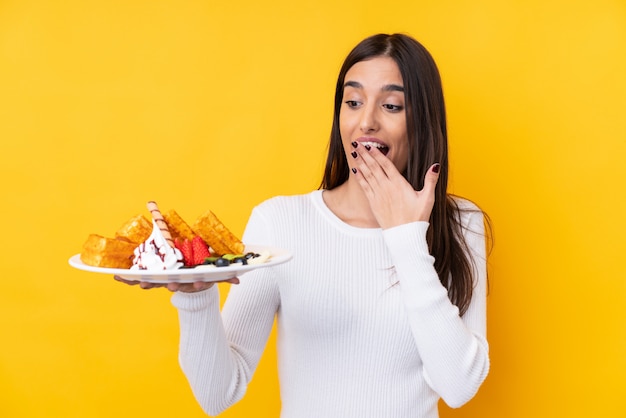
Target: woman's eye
(393, 108)
(352, 103)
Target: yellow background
(204, 104)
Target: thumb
(431, 178)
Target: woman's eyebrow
(386, 87)
(354, 84)
(393, 87)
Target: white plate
(190, 275)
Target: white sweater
(365, 328)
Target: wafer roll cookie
(158, 218)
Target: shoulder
(468, 214)
(463, 204)
(291, 200)
(473, 228)
(276, 218)
(285, 205)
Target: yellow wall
(206, 104)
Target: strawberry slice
(180, 245)
(200, 250)
(186, 250)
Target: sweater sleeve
(219, 352)
(453, 349)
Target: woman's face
(373, 109)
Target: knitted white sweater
(365, 328)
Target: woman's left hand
(391, 197)
(175, 286)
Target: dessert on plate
(168, 243)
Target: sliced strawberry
(178, 244)
(187, 250)
(200, 250)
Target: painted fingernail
(354, 154)
(355, 144)
(367, 147)
(354, 170)
(436, 168)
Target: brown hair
(428, 143)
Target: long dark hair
(428, 143)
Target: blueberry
(241, 260)
(222, 262)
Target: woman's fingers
(176, 286)
(377, 174)
(372, 169)
(129, 282)
(197, 286)
(189, 287)
(392, 199)
(371, 163)
(385, 188)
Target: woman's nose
(369, 121)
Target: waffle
(100, 251)
(136, 230)
(217, 235)
(177, 226)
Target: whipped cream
(156, 254)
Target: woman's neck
(349, 203)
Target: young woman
(381, 311)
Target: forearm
(212, 367)
(454, 351)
